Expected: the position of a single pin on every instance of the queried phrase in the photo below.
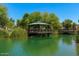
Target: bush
(18, 33)
(4, 34)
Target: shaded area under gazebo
(39, 28)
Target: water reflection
(67, 39)
(5, 45)
(16, 49)
(53, 45)
(77, 45)
(42, 46)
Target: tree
(54, 21)
(18, 22)
(10, 23)
(45, 17)
(35, 16)
(24, 21)
(25, 16)
(3, 16)
(67, 24)
(74, 25)
(12, 20)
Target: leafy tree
(10, 24)
(12, 20)
(24, 21)
(67, 24)
(74, 25)
(45, 17)
(25, 16)
(3, 16)
(18, 23)
(54, 21)
(35, 16)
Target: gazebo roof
(39, 23)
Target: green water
(57, 45)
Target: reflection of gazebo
(39, 28)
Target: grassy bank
(16, 33)
(4, 34)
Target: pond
(57, 45)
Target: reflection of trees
(67, 39)
(77, 48)
(41, 46)
(4, 46)
(77, 39)
(77, 44)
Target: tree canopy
(3, 16)
(5, 21)
(67, 23)
(50, 18)
(27, 18)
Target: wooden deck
(40, 32)
(67, 31)
(32, 32)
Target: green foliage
(67, 24)
(10, 24)
(18, 22)
(4, 34)
(2, 10)
(25, 16)
(35, 16)
(54, 21)
(24, 21)
(74, 25)
(3, 16)
(18, 33)
(45, 17)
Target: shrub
(18, 33)
(4, 34)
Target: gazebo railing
(40, 31)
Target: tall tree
(3, 16)
(45, 17)
(67, 24)
(18, 23)
(35, 16)
(74, 26)
(10, 23)
(24, 21)
(54, 21)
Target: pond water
(57, 45)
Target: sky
(62, 10)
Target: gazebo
(39, 28)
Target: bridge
(64, 31)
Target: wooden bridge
(67, 31)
